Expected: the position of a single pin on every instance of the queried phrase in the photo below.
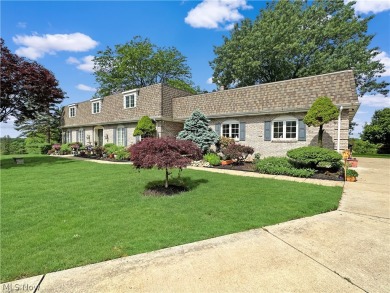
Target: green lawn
(59, 213)
(383, 156)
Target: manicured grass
(59, 213)
(382, 156)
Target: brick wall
(255, 134)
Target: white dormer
(96, 105)
(130, 98)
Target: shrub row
(282, 166)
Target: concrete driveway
(347, 250)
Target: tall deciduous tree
(291, 39)
(138, 63)
(196, 129)
(27, 88)
(164, 153)
(321, 112)
(378, 131)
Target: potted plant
(351, 175)
(352, 162)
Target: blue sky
(64, 36)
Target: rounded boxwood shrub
(312, 156)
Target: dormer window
(130, 99)
(96, 105)
(72, 112)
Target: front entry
(100, 137)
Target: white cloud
(214, 14)
(72, 60)
(366, 6)
(86, 88)
(210, 80)
(21, 24)
(377, 101)
(36, 46)
(385, 59)
(84, 64)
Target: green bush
(311, 156)
(363, 147)
(212, 158)
(65, 148)
(122, 154)
(281, 166)
(352, 173)
(111, 148)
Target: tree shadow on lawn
(31, 161)
(176, 186)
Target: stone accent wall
(283, 96)
(148, 103)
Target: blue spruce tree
(196, 129)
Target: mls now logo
(8, 288)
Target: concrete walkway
(347, 250)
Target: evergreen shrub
(311, 156)
(282, 166)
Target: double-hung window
(121, 136)
(285, 129)
(231, 129)
(130, 99)
(81, 136)
(72, 112)
(96, 105)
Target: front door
(100, 137)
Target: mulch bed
(160, 190)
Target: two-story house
(267, 117)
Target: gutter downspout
(338, 130)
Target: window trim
(81, 136)
(122, 129)
(230, 123)
(285, 119)
(99, 102)
(70, 111)
(128, 94)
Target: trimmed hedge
(312, 156)
(281, 166)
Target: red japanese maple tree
(27, 88)
(164, 153)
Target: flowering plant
(56, 146)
